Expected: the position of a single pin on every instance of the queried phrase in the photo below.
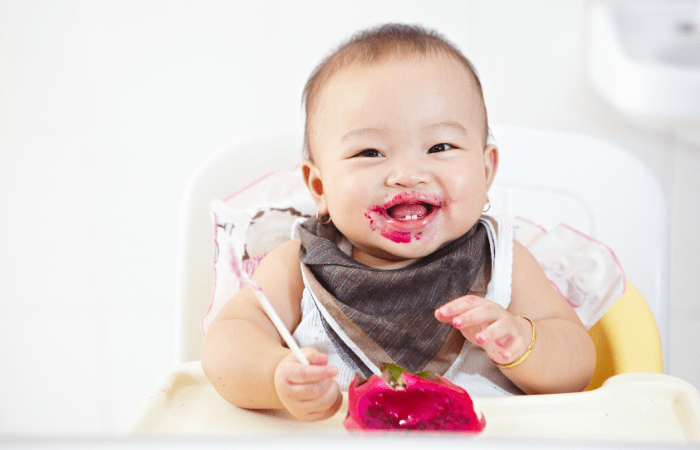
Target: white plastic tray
(629, 407)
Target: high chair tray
(629, 407)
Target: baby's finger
(515, 346)
(460, 305)
(499, 332)
(481, 315)
(313, 356)
(310, 374)
(309, 391)
(318, 359)
(324, 406)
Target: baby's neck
(379, 262)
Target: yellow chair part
(626, 339)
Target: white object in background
(644, 59)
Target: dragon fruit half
(400, 400)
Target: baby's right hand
(309, 392)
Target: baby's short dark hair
(376, 45)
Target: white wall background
(106, 107)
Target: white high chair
(548, 178)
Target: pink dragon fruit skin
(427, 403)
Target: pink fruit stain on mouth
(401, 237)
(402, 218)
(378, 222)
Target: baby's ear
(490, 164)
(312, 180)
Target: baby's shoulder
(285, 255)
(290, 247)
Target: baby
(400, 265)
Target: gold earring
(318, 218)
(488, 205)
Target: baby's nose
(408, 175)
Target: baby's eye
(369, 153)
(440, 148)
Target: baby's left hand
(505, 337)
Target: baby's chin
(392, 255)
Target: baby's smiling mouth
(403, 218)
(409, 211)
(411, 206)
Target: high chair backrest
(546, 177)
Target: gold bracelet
(527, 352)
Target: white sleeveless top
(473, 369)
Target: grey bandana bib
(389, 314)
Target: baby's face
(400, 162)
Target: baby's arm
(562, 358)
(244, 356)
